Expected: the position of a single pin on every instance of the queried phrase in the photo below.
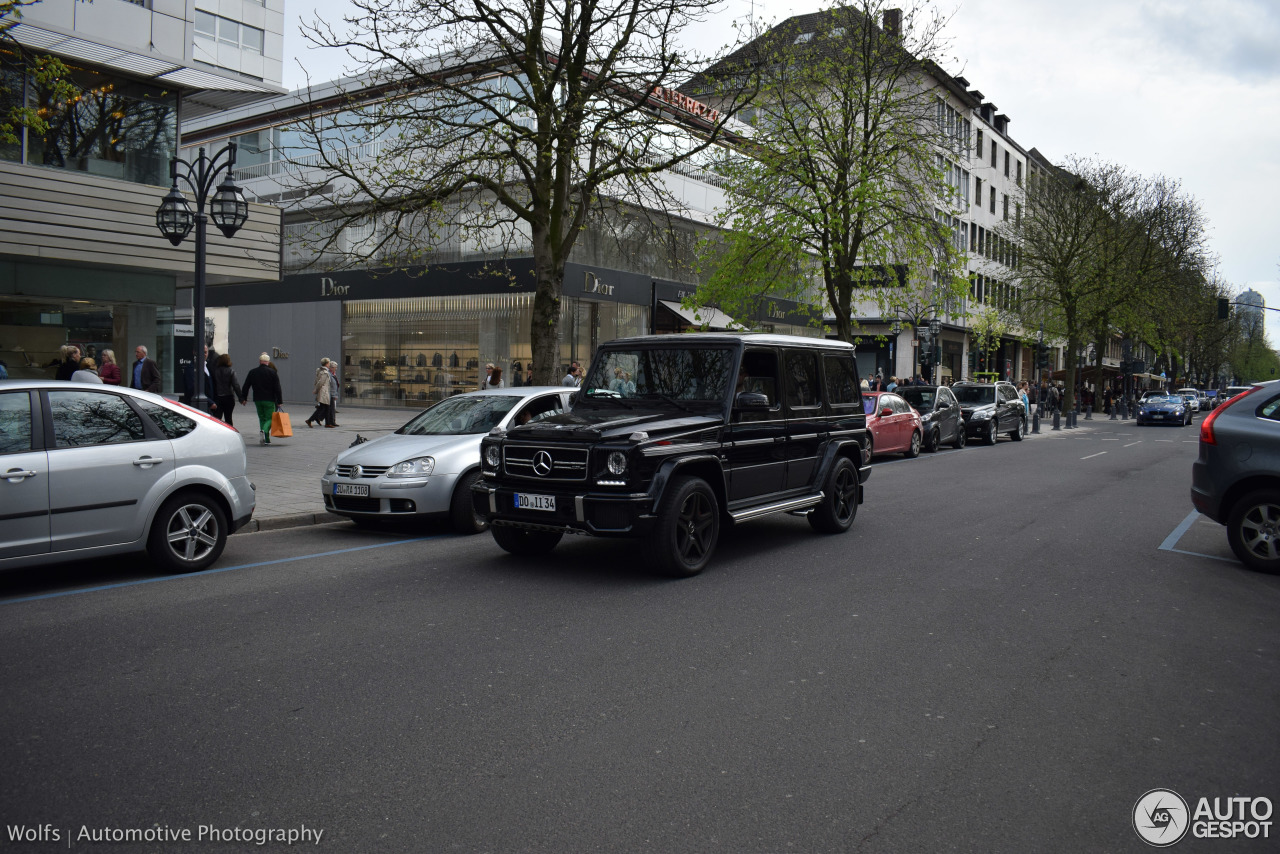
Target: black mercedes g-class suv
(672, 436)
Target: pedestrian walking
(226, 390)
(333, 394)
(145, 375)
(320, 388)
(264, 383)
(495, 379)
(574, 378)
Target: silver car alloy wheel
(192, 532)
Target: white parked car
(92, 470)
(426, 468)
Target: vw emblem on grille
(542, 463)
(356, 471)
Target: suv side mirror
(751, 400)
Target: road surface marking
(1111, 440)
(1131, 444)
(1172, 540)
(211, 571)
(1091, 456)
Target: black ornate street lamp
(927, 327)
(175, 219)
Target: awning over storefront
(703, 318)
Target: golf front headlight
(332, 467)
(417, 467)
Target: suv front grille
(542, 463)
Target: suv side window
(15, 422)
(1269, 410)
(759, 375)
(843, 390)
(87, 418)
(803, 388)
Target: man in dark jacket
(264, 383)
(145, 374)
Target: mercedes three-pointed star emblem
(542, 463)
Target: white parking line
(1091, 456)
(1111, 440)
(1131, 444)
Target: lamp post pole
(175, 219)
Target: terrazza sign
(684, 102)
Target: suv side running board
(779, 507)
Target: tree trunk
(544, 329)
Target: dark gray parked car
(991, 409)
(1236, 479)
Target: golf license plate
(360, 489)
(525, 501)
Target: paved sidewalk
(287, 472)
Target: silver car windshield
(700, 373)
(459, 416)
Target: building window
(1005, 199)
(228, 32)
(1019, 179)
(992, 190)
(1006, 164)
(979, 143)
(1017, 215)
(993, 155)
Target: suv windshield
(979, 394)
(920, 398)
(459, 416)
(657, 373)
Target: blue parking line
(213, 571)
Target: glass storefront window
(414, 352)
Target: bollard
(1115, 407)
(1057, 423)
(1035, 421)
(1088, 413)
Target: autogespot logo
(1160, 817)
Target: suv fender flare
(851, 448)
(706, 466)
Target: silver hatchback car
(93, 470)
(426, 468)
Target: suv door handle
(15, 475)
(144, 462)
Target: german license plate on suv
(525, 501)
(360, 489)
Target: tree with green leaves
(841, 194)
(506, 124)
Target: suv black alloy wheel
(687, 529)
(840, 505)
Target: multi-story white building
(81, 259)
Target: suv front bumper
(603, 514)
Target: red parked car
(893, 427)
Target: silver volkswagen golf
(426, 468)
(92, 470)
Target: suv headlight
(617, 463)
(332, 467)
(491, 456)
(413, 468)
(981, 414)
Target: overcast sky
(1189, 89)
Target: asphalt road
(1010, 647)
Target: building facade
(81, 259)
